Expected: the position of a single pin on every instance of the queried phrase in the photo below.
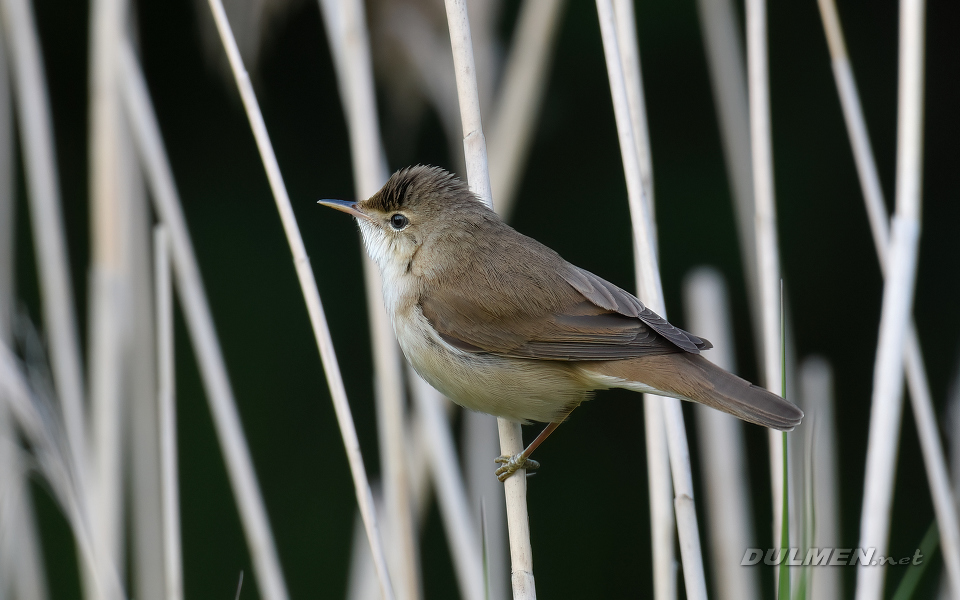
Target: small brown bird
(501, 324)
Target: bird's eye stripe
(399, 221)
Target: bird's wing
(604, 294)
(549, 309)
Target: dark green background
(589, 521)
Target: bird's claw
(512, 463)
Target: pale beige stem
(427, 53)
(629, 47)
(110, 301)
(480, 439)
(361, 580)
(723, 452)
(140, 439)
(663, 524)
(448, 480)
(817, 401)
(658, 458)
(365, 143)
(40, 167)
(920, 396)
(651, 292)
(347, 23)
(167, 418)
(199, 320)
(514, 117)
(21, 561)
(520, 96)
(518, 524)
(765, 224)
(8, 203)
(728, 78)
(478, 176)
(311, 295)
(886, 411)
(40, 426)
(885, 414)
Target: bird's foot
(512, 463)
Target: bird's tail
(692, 377)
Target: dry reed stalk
(629, 47)
(167, 418)
(361, 581)
(8, 202)
(520, 96)
(22, 573)
(41, 427)
(514, 116)
(817, 397)
(942, 493)
(432, 64)
(920, 395)
(311, 295)
(347, 24)
(199, 320)
(765, 223)
(663, 524)
(480, 439)
(648, 283)
(856, 129)
(39, 159)
(109, 293)
(141, 437)
(355, 80)
(478, 177)
(722, 445)
(451, 492)
(897, 304)
(660, 486)
(454, 508)
(728, 78)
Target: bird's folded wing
(606, 295)
(570, 315)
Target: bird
(502, 324)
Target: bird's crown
(413, 187)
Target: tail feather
(692, 377)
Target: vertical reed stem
(36, 134)
(167, 418)
(897, 304)
(196, 309)
(920, 396)
(478, 177)
(723, 453)
(355, 80)
(765, 224)
(651, 290)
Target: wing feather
(546, 308)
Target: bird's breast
(516, 389)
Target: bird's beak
(346, 206)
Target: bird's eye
(399, 221)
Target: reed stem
(651, 290)
(478, 177)
(199, 321)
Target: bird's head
(417, 206)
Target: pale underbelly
(516, 389)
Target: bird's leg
(523, 460)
